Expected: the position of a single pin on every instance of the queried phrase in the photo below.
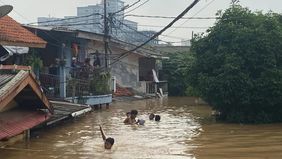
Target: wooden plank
(15, 67)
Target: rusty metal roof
(16, 121)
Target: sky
(27, 11)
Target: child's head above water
(133, 113)
(157, 118)
(109, 142)
(151, 116)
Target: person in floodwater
(131, 118)
(152, 116)
(127, 119)
(157, 118)
(128, 114)
(108, 142)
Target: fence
(75, 87)
(50, 84)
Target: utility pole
(106, 34)
(234, 2)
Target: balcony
(81, 82)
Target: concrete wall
(126, 70)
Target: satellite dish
(4, 10)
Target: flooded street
(186, 130)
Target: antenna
(5, 9)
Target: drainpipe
(62, 73)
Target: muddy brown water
(186, 130)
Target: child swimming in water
(130, 119)
(108, 142)
(157, 118)
(152, 116)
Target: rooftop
(21, 86)
(12, 33)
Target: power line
(192, 16)
(64, 19)
(170, 36)
(77, 17)
(126, 7)
(161, 26)
(168, 17)
(138, 6)
(158, 33)
(145, 48)
(168, 42)
(72, 24)
(138, 31)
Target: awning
(15, 122)
(11, 50)
(16, 49)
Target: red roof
(15, 122)
(12, 33)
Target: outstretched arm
(102, 132)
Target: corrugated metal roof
(13, 85)
(5, 78)
(10, 85)
(17, 121)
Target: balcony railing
(88, 84)
(77, 87)
(50, 84)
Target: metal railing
(75, 87)
(50, 84)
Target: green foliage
(34, 60)
(177, 70)
(99, 83)
(238, 66)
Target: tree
(238, 66)
(177, 69)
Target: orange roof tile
(12, 33)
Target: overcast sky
(27, 11)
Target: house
(69, 50)
(15, 41)
(23, 104)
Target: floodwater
(186, 131)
